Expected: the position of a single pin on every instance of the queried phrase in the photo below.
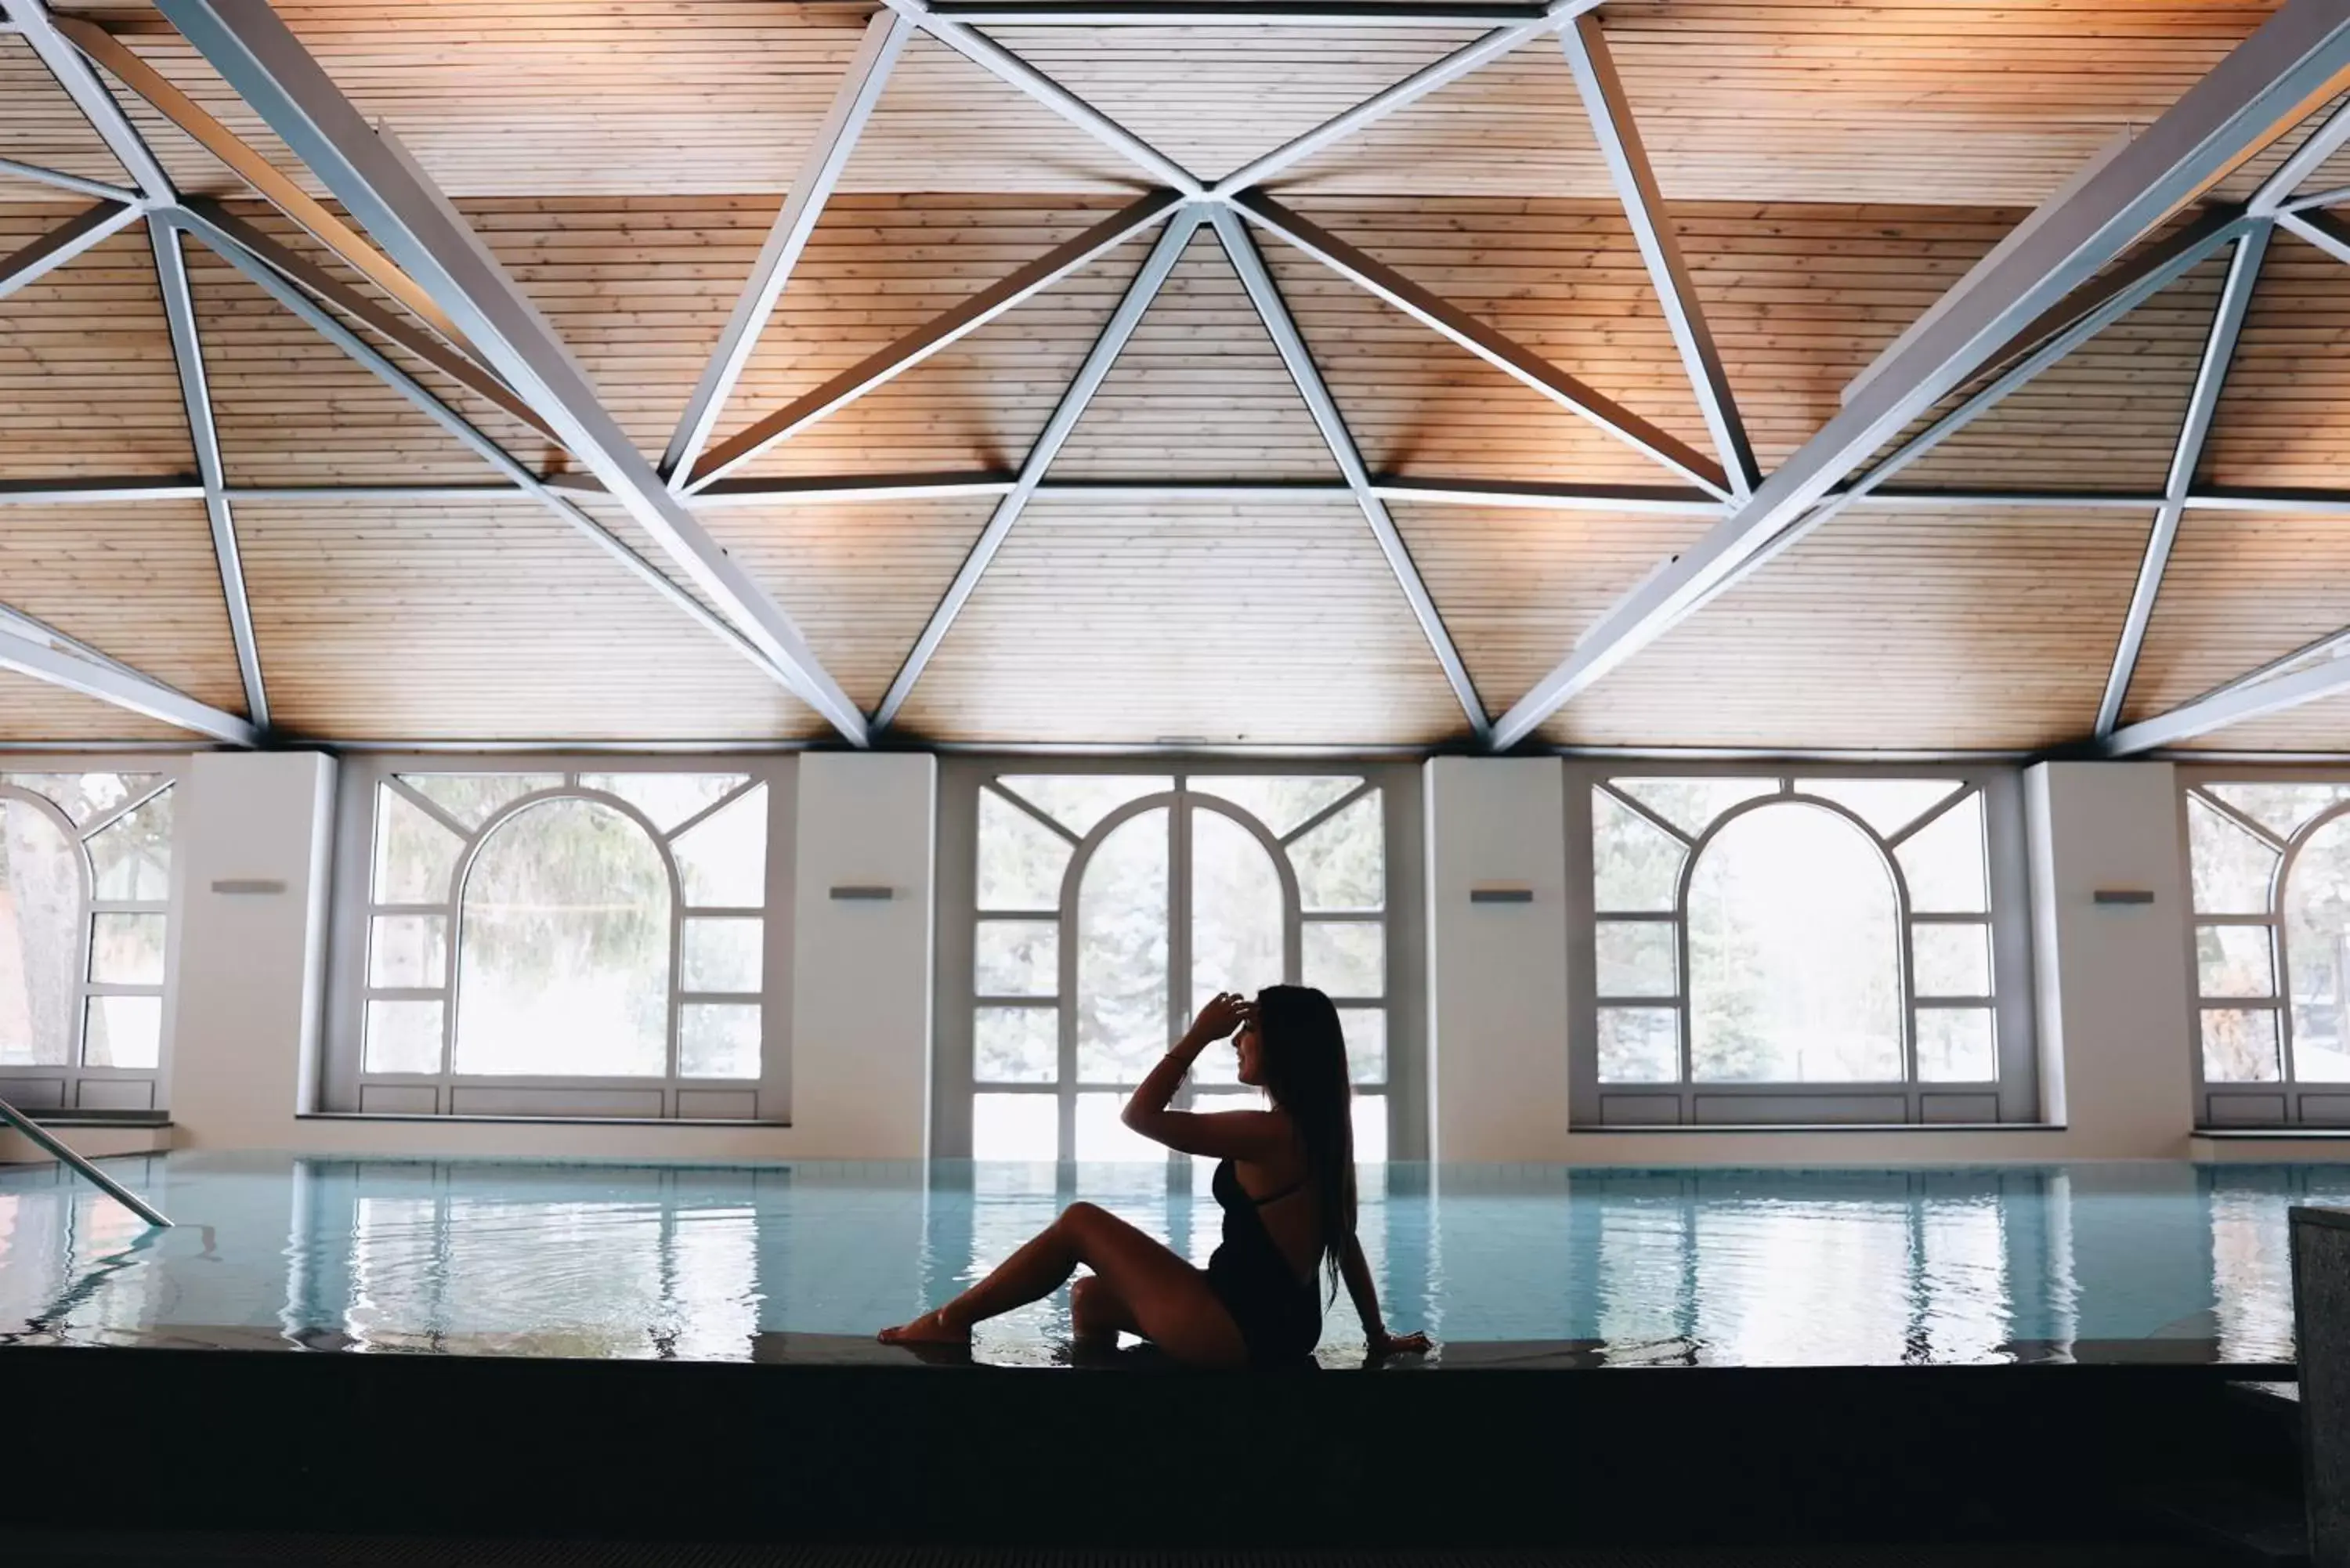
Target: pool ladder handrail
(112, 1188)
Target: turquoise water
(1747, 1267)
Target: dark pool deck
(830, 1438)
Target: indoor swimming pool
(2150, 1261)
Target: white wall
(1496, 972)
(2114, 1027)
(251, 964)
(861, 968)
(250, 992)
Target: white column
(1497, 970)
(256, 841)
(861, 965)
(2114, 1008)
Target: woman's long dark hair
(1304, 1052)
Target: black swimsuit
(1279, 1315)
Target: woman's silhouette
(1287, 1186)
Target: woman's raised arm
(1227, 1135)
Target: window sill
(2258, 1135)
(1579, 1130)
(535, 1121)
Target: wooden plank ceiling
(1830, 169)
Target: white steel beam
(2175, 256)
(2186, 456)
(1240, 12)
(519, 478)
(392, 326)
(1498, 349)
(857, 487)
(2296, 60)
(2237, 498)
(2276, 191)
(1115, 334)
(1610, 110)
(374, 179)
(195, 395)
(880, 367)
(2321, 229)
(259, 173)
(1002, 63)
(811, 187)
(2237, 701)
(69, 491)
(1412, 89)
(1659, 500)
(2331, 197)
(89, 95)
(1241, 247)
(65, 181)
(91, 227)
(26, 653)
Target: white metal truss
(74, 74)
(852, 106)
(1114, 335)
(1513, 360)
(2186, 456)
(1242, 12)
(264, 276)
(2235, 702)
(1470, 57)
(2018, 305)
(91, 227)
(1610, 110)
(2163, 266)
(25, 652)
(2258, 90)
(195, 394)
(1002, 63)
(65, 181)
(879, 369)
(1275, 313)
(374, 179)
(218, 223)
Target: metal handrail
(113, 1188)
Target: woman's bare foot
(930, 1328)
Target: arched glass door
(1108, 906)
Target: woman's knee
(1080, 1217)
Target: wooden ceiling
(1829, 169)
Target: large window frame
(76, 1085)
(2014, 1097)
(962, 780)
(347, 1087)
(2288, 1100)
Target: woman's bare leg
(1168, 1299)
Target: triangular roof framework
(407, 327)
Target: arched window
(1794, 939)
(1785, 949)
(84, 928)
(2270, 863)
(563, 947)
(574, 942)
(1110, 906)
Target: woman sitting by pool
(1288, 1188)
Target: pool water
(1717, 1267)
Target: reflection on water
(1673, 1266)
